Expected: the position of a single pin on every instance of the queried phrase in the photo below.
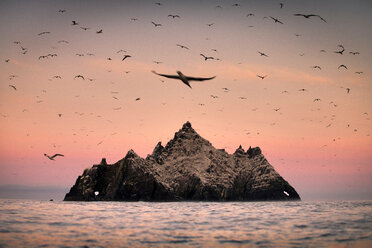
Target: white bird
(52, 157)
(286, 193)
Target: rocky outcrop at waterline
(188, 168)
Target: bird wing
(299, 15)
(199, 78)
(55, 155)
(320, 18)
(167, 76)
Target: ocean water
(29, 223)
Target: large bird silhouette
(183, 78)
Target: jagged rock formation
(187, 168)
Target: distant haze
(323, 148)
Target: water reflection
(141, 224)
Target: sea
(31, 223)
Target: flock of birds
(180, 76)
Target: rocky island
(188, 168)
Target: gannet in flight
(52, 157)
(183, 78)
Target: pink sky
(322, 148)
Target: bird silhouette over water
(183, 78)
(310, 15)
(52, 157)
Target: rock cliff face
(188, 168)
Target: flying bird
(358, 72)
(79, 76)
(12, 86)
(99, 31)
(250, 14)
(262, 54)
(138, 98)
(52, 157)
(262, 77)
(348, 90)
(185, 79)
(209, 24)
(121, 50)
(126, 56)
(74, 23)
(316, 67)
(354, 53)
(344, 66)
(43, 33)
(63, 41)
(341, 51)
(62, 11)
(276, 20)
(156, 24)
(317, 100)
(206, 57)
(157, 62)
(174, 16)
(311, 15)
(182, 46)
(276, 109)
(7, 60)
(85, 29)
(281, 5)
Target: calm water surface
(27, 223)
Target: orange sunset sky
(321, 147)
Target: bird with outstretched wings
(183, 78)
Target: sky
(323, 148)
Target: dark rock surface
(188, 168)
